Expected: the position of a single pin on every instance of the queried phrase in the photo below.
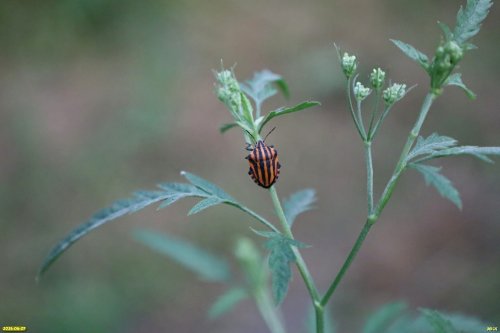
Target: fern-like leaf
(431, 144)
(469, 19)
(119, 208)
(167, 195)
(298, 203)
(442, 184)
(412, 53)
(281, 256)
(456, 80)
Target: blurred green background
(101, 97)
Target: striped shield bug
(264, 164)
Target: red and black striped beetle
(264, 164)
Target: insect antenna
(269, 133)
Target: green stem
(255, 215)
(348, 261)
(386, 195)
(379, 122)
(268, 311)
(401, 165)
(301, 265)
(360, 119)
(351, 108)
(374, 112)
(369, 176)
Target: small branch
(301, 265)
(369, 176)
(351, 108)
(386, 195)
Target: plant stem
(348, 261)
(400, 167)
(351, 108)
(268, 311)
(301, 265)
(369, 176)
(255, 215)
(386, 195)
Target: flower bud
(394, 93)
(349, 64)
(228, 90)
(361, 92)
(377, 78)
(454, 50)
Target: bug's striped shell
(264, 164)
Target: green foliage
(282, 111)
(456, 80)
(431, 144)
(208, 266)
(394, 318)
(227, 302)
(298, 203)
(207, 186)
(438, 323)
(119, 208)
(469, 19)
(260, 87)
(384, 317)
(480, 152)
(413, 53)
(435, 146)
(170, 193)
(442, 184)
(204, 204)
(281, 256)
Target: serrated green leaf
(226, 127)
(448, 35)
(281, 256)
(384, 317)
(283, 111)
(208, 266)
(204, 204)
(208, 187)
(432, 143)
(119, 208)
(456, 80)
(182, 188)
(438, 322)
(298, 203)
(469, 19)
(412, 53)
(480, 152)
(260, 86)
(226, 302)
(442, 184)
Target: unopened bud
(361, 92)
(349, 64)
(394, 93)
(377, 78)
